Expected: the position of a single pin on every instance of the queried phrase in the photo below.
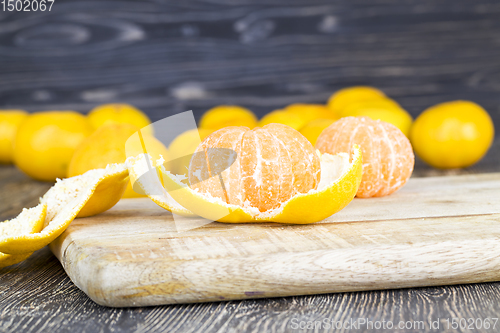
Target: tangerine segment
(273, 164)
(387, 153)
(338, 186)
(64, 201)
(200, 176)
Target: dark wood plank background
(170, 56)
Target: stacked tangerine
(276, 162)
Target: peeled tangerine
(276, 176)
(388, 158)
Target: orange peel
(340, 179)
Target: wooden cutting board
(435, 231)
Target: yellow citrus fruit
(314, 128)
(227, 115)
(107, 193)
(107, 145)
(454, 134)
(46, 141)
(183, 146)
(343, 97)
(66, 200)
(298, 200)
(108, 114)
(309, 112)
(282, 117)
(382, 109)
(9, 123)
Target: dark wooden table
(171, 56)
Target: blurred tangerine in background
(45, 143)
(227, 115)
(107, 145)
(9, 123)
(183, 146)
(388, 158)
(314, 128)
(119, 113)
(275, 160)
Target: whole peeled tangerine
(273, 164)
(388, 157)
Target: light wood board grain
(133, 256)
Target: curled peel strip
(85, 195)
